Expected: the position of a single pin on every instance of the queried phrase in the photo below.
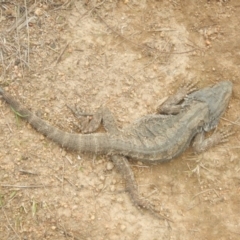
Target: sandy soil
(127, 55)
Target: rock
(110, 166)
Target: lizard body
(153, 138)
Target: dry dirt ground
(127, 55)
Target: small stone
(123, 227)
(47, 110)
(119, 200)
(38, 12)
(208, 43)
(112, 188)
(100, 187)
(110, 166)
(74, 207)
(101, 177)
(64, 153)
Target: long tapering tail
(77, 142)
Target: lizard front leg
(202, 144)
(171, 105)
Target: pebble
(123, 227)
(110, 166)
(38, 12)
(112, 188)
(100, 187)
(119, 200)
(102, 178)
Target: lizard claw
(189, 87)
(141, 204)
(224, 134)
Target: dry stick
(98, 5)
(195, 45)
(69, 160)
(162, 30)
(19, 46)
(235, 123)
(216, 193)
(27, 172)
(23, 186)
(59, 57)
(20, 20)
(63, 173)
(58, 178)
(26, 13)
(4, 67)
(69, 182)
(207, 190)
(10, 223)
(7, 123)
(138, 45)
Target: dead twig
(28, 41)
(136, 44)
(207, 190)
(235, 122)
(27, 172)
(90, 10)
(10, 129)
(21, 20)
(59, 57)
(23, 186)
(10, 225)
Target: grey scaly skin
(154, 138)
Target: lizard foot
(82, 117)
(145, 205)
(149, 207)
(188, 88)
(89, 123)
(224, 134)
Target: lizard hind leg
(90, 123)
(104, 116)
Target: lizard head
(217, 98)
